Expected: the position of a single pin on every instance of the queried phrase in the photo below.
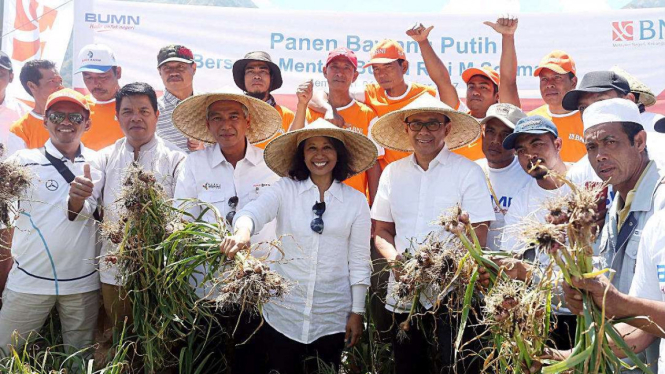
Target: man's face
(340, 74)
(426, 142)
(67, 131)
(537, 149)
(227, 123)
(494, 132)
(610, 153)
(480, 94)
(6, 78)
(177, 75)
(257, 78)
(554, 86)
(50, 82)
(137, 118)
(588, 98)
(102, 86)
(389, 75)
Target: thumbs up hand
(81, 187)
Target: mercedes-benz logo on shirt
(51, 185)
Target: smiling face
(138, 120)
(340, 74)
(554, 86)
(320, 156)
(390, 75)
(102, 86)
(177, 75)
(228, 123)
(538, 149)
(66, 132)
(480, 94)
(494, 132)
(427, 143)
(611, 154)
(257, 78)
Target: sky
(447, 6)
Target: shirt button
(630, 224)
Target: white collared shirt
(208, 177)
(11, 110)
(323, 266)
(157, 156)
(70, 245)
(413, 199)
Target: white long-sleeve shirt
(323, 267)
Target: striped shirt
(165, 128)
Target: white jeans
(26, 314)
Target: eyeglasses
(431, 126)
(317, 222)
(233, 204)
(57, 117)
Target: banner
(35, 29)
(299, 41)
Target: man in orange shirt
(100, 75)
(39, 79)
(557, 75)
(257, 76)
(483, 85)
(341, 71)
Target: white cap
(611, 110)
(96, 58)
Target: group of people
(348, 177)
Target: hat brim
(93, 69)
(239, 73)
(471, 72)
(178, 59)
(280, 152)
(67, 99)
(659, 126)
(646, 96)
(8, 67)
(509, 141)
(572, 97)
(380, 60)
(503, 120)
(190, 117)
(390, 131)
(555, 68)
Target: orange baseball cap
(557, 61)
(67, 94)
(484, 71)
(386, 51)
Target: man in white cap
(11, 110)
(409, 199)
(505, 176)
(100, 73)
(228, 175)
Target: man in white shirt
(54, 254)
(11, 110)
(228, 175)
(505, 177)
(410, 197)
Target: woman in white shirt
(324, 227)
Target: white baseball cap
(96, 58)
(611, 110)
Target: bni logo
(622, 31)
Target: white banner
(299, 41)
(35, 29)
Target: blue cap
(530, 125)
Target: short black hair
(136, 89)
(341, 171)
(30, 72)
(400, 62)
(631, 129)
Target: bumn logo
(622, 31)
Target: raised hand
(418, 32)
(82, 186)
(504, 25)
(305, 91)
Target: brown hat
(280, 152)
(190, 117)
(645, 94)
(239, 70)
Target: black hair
(341, 171)
(136, 89)
(115, 70)
(571, 75)
(400, 62)
(631, 129)
(30, 72)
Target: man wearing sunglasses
(54, 244)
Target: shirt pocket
(215, 200)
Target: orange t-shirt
(474, 150)
(287, 117)
(571, 132)
(358, 117)
(104, 128)
(31, 129)
(377, 99)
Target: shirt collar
(252, 155)
(146, 147)
(37, 115)
(53, 151)
(335, 189)
(441, 158)
(649, 181)
(171, 98)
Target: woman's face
(320, 156)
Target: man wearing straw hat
(228, 175)
(410, 198)
(258, 76)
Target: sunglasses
(431, 126)
(57, 117)
(317, 222)
(233, 204)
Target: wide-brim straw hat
(190, 117)
(280, 152)
(646, 95)
(390, 131)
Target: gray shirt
(165, 128)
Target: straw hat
(280, 152)
(190, 117)
(646, 95)
(389, 131)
